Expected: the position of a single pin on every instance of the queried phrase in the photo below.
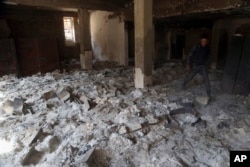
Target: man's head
(204, 40)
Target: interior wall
(227, 27)
(30, 22)
(108, 37)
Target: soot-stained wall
(108, 37)
(31, 22)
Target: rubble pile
(97, 118)
(104, 64)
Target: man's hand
(188, 69)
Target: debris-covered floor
(98, 119)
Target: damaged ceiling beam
(110, 5)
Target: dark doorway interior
(180, 45)
(131, 42)
(222, 51)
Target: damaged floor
(98, 119)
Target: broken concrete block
(173, 106)
(133, 125)
(8, 107)
(84, 155)
(51, 117)
(119, 143)
(64, 95)
(128, 119)
(85, 101)
(137, 93)
(203, 100)
(184, 116)
(32, 157)
(123, 130)
(49, 144)
(30, 136)
(150, 119)
(50, 94)
(18, 105)
(54, 102)
(63, 114)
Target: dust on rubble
(97, 118)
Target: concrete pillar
(143, 42)
(85, 39)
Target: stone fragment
(119, 143)
(84, 155)
(50, 94)
(51, 117)
(151, 119)
(184, 116)
(32, 157)
(54, 102)
(18, 105)
(203, 100)
(123, 130)
(64, 95)
(85, 101)
(137, 93)
(48, 144)
(30, 136)
(8, 107)
(173, 106)
(133, 125)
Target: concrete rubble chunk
(18, 105)
(30, 136)
(184, 116)
(64, 95)
(85, 101)
(129, 120)
(8, 107)
(32, 157)
(84, 155)
(133, 125)
(202, 100)
(51, 117)
(151, 119)
(97, 126)
(123, 130)
(50, 94)
(119, 143)
(47, 145)
(173, 106)
(54, 102)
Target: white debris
(98, 118)
(8, 107)
(30, 136)
(203, 100)
(46, 144)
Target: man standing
(197, 60)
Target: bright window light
(69, 29)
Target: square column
(85, 39)
(143, 10)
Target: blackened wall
(30, 22)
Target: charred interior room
(124, 83)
